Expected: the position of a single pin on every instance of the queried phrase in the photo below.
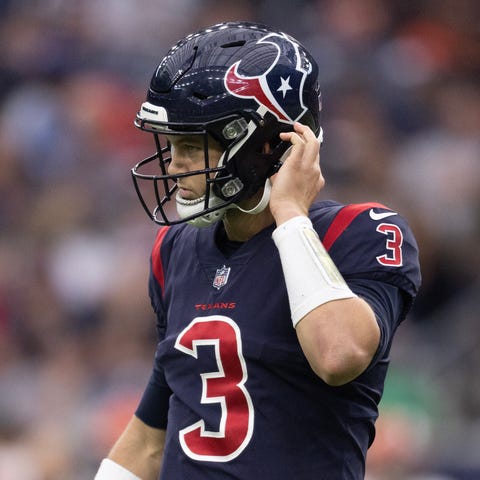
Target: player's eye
(187, 149)
(193, 148)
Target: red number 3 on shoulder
(393, 257)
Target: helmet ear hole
(266, 148)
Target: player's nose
(177, 164)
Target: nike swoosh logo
(380, 216)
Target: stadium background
(401, 96)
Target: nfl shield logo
(221, 277)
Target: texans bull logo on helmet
(274, 88)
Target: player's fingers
(302, 134)
(293, 137)
(307, 134)
(312, 143)
(296, 151)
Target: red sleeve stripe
(343, 219)
(157, 266)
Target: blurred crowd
(401, 115)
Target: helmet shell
(190, 82)
(241, 83)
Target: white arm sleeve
(311, 277)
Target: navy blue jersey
(231, 384)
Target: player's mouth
(186, 193)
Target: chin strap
(185, 208)
(262, 204)
(188, 207)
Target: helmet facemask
(226, 184)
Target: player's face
(188, 155)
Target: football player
(275, 311)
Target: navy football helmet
(241, 84)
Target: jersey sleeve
(375, 250)
(153, 407)
(388, 304)
(375, 243)
(156, 281)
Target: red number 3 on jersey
(224, 386)
(393, 257)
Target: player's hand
(299, 180)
